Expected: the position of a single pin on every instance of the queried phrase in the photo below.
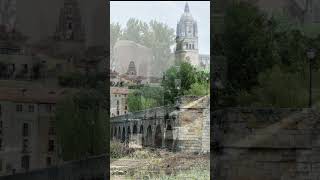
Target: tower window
(51, 146)
(31, 108)
(25, 162)
(19, 107)
(25, 130)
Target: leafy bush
(118, 149)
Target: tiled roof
(117, 90)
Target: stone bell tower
(187, 39)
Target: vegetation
(267, 61)
(81, 124)
(145, 97)
(190, 77)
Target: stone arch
(134, 131)
(169, 137)
(128, 133)
(123, 138)
(119, 133)
(142, 135)
(149, 136)
(115, 132)
(158, 137)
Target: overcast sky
(168, 12)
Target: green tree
(81, 124)
(248, 44)
(198, 89)
(277, 88)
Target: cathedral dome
(186, 16)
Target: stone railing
(145, 114)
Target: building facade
(118, 101)
(27, 129)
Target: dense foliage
(267, 61)
(81, 124)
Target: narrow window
(25, 129)
(19, 107)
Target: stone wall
(266, 144)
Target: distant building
(118, 101)
(187, 41)
(204, 61)
(187, 38)
(27, 118)
(127, 51)
(27, 128)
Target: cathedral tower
(187, 39)
(8, 14)
(70, 27)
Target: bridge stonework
(266, 144)
(173, 127)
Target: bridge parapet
(145, 114)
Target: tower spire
(186, 8)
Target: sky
(168, 12)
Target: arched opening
(149, 136)
(119, 133)
(128, 133)
(158, 137)
(142, 135)
(134, 130)
(123, 134)
(169, 138)
(115, 132)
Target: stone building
(27, 128)
(29, 72)
(187, 38)
(118, 101)
(127, 51)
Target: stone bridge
(185, 126)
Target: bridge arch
(134, 131)
(128, 133)
(169, 137)
(123, 138)
(158, 137)
(141, 132)
(149, 136)
(115, 132)
(119, 133)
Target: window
(51, 146)
(1, 168)
(192, 46)
(25, 129)
(0, 144)
(0, 110)
(118, 113)
(25, 162)
(48, 107)
(19, 107)
(25, 145)
(52, 130)
(126, 107)
(0, 127)
(31, 108)
(48, 161)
